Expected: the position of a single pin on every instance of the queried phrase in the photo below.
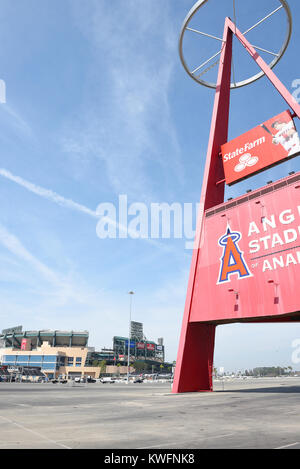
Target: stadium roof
(54, 337)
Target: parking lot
(252, 413)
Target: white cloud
(51, 298)
(71, 205)
(15, 121)
(125, 119)
(49, 293)
(12, 243)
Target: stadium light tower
(131, 293)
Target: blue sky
(98, 105)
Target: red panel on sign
(266, 145)
(150, 347)
(24, 344)
(140, 345)
(250, 266)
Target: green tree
(140, 366)
(102, 365)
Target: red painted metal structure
(247, 289)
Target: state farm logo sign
(245, 161)
(267, 145)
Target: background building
(140, 347)
(66, 354)
(55, 353)
(136, 330)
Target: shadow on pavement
(276, 390)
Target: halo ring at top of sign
(233, 235)
(197, 77)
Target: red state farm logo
(246, 160)
(232, 260)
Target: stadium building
(66, 354)
(139, 349)
(56, 353)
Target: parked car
(107, 380)
(138, 380)
(90, 380)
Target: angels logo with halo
(232, 260)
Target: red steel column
(195, 354)
(196, 347)
(287, 96)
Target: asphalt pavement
(252, 413)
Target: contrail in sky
(48, 194)
(69, 203)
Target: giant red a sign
(246, 258)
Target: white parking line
(34, 433)
(288, 446)
(188, 442)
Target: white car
(107, 380)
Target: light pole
(131, 293)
